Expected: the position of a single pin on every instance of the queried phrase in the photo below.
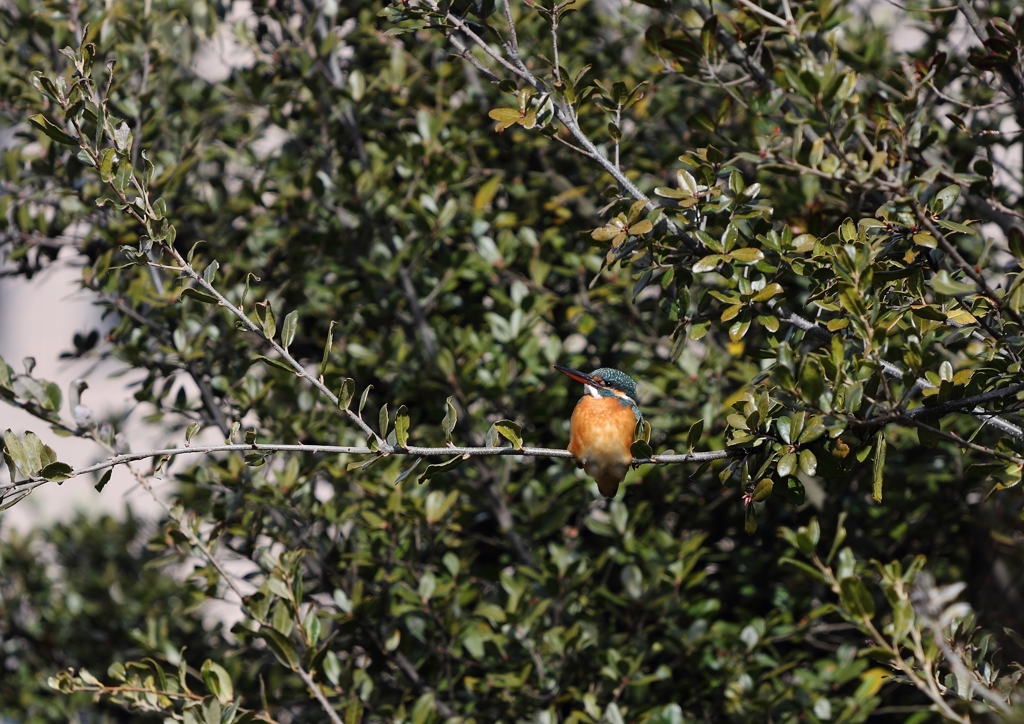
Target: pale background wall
(38, 318)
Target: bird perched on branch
(603, 425)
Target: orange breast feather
(600, 434)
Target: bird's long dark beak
(578, 376)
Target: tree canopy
(364, 248)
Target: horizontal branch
(959, 405)
(961, 442)
(968, 402)
(33, 482)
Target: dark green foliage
(88, 594)
(813, 297)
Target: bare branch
(36, 481)
(968, 402)
(765, 14)
(957, 440)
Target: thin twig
(316, 691)
(513, 39)
(959, 441)
(764, 13)
(565, 114)
(457, 22)
(967, 402)
(35, 481)
(554, 46)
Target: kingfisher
(603, 425)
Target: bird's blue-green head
(604, 382)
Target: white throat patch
(591, 390)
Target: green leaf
(280, 646)
(327, 354)
(199, 295)
(346, 392)
(505, 117)
(707, 264)
(275, 363)
(124, 174)
(190, 432)
(212, 711)
(927, 311)
(269, 322)
(747, 255)
(1015, 240)
(945, 199)
(943, 283)
(15, 449)
(312, 627)
(438, 503)
(354, 710)
(362, 399)
(402, 426)
(814, 429)
(444, 467)
(879, 469)
(451, 416)
(925, 239)
(784, 425)
(210, 272)
(28, 452)
(703, 121)
(57, 472)
(291, 322)
(383, 421)
(104, 480)
(694, 434)
(642, 430)
(957, 227)
(793, 491)
(855, 597)
(769, 291)
(749, 520)
(738, 330)
(107, 161)
(787, 464)
(332, 668)
(423, 709)
(806, 568)
(486, 193)
(641, 450)
(218, 681)
(54, 132)
(6, 375)
(122, 137)
(408, 471)
(840, 537)
(762, 490)
(807, 462)
(511, 432)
